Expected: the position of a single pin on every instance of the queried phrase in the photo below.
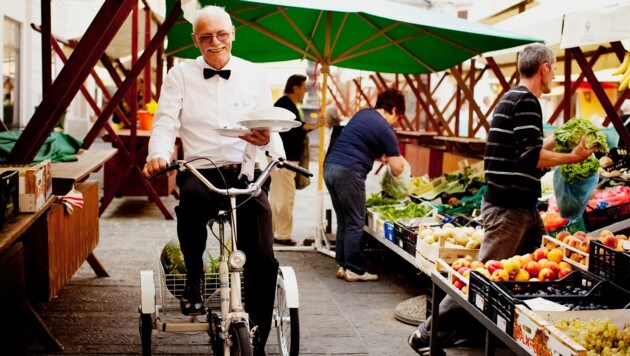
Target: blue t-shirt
(366, 137)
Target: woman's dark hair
(294, 80)
(390, 99)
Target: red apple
(581, 234)
(611, 241)
(533, 268)
(540, 253)
(563, 273)
(526, 258)
(493, 266)
(459, 284)
(565, 265)
(546, 274)
(549, 264)
(500, 275)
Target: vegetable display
(376, 199)
(409, 211)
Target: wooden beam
(601, 95)
(566, 99)
(416, 91)
(382, 80)
(96, 39)
(135, 71)
(361, 92)
(471, 100)
(379, 86)
(46, 47)
(497, 73)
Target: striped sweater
(512, 151)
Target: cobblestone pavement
(100, 315)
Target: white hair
(210, 10)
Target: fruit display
(467, 237)
(598, 336)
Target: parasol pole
(321, 241)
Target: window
(10, 74)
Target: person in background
(368, 136)
(282, 190)
(514, 159)
(198, 97)
(625, 118)
(333, 122)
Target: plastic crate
(572, 227)
(479, 292)
(610, 264)
(620, 158)
(528, 289)
(410, 233)
(599, 218)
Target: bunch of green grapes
(597, 336)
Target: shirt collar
(205, 65)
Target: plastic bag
(572, 198)
(396, 187)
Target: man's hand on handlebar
(154, 166)
(257, 137)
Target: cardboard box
(541, 338)
(35, 185)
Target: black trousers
(254, 237)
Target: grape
(597, 336)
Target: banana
(624, 65)
(625, 81)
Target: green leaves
(568, 136)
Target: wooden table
(12, 259)
(66, 174)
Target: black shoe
(418, 342)
(192, 298)
(287, 242)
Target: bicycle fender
(147, 292)
(290, 286)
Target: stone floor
(100, 315)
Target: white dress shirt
(195, 107)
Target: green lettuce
(579, 172)
(568, 136)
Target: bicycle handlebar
(252, 189)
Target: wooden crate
(445, 252)
(58, 246)
(548, 241)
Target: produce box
(599, 218)
(610, 264)
(35, 185)
(540, 338)
(447, 252)
(535, 331)
(574, 253)
(458, 282)
(577, 290)
(479, 292)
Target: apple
(555, 255)
(518, 260)
(584, 246)
(540, 253)
(532, 267)
(466, 273)
(563, 273)
(565, 265)
(611, 241)
(459, 284)
(462, 270)
(605, 233)
(510, 266)
(484, 272)
(500, 275)
(465, 290)
(549, 264)
(581, 234)
(459, 263)
(562, 234)
(534, 280)
(477, 264)
(521, 276)
(526, 258)
(546, 274)
(493, 266)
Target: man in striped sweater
(515, 156)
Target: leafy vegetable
(568, 136)
(396, 187)
(579, 172)
(411, 210)
(376, 200)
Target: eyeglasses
(221, 37)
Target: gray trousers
(507, 232)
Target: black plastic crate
(585, 280)
(598, 218)
(401, 231)
(479, 292)
(405, 243)
(620, 158)
(610, 264)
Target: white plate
(273, 112)
(270, 124)
(233, 132)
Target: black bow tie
(209, 73)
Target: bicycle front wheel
(241, 343)
(287, 323)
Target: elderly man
(198, 97)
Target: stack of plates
(273, 119)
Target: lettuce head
(568, 136)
